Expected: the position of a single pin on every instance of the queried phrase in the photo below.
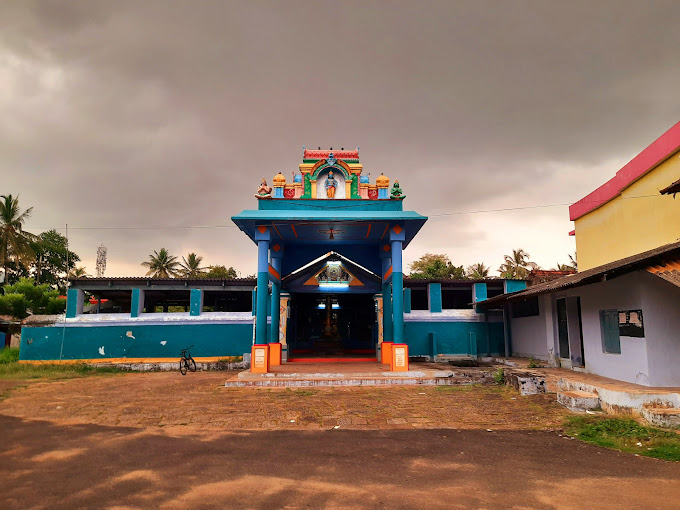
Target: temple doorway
(332, 326)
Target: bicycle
(186, 362)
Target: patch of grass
(626, 435)
(499, 376)
(230, 359)
(9, 355)
(533, 363)
(24, 371)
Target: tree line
(515, 266)
(163, 265)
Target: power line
(350, 206)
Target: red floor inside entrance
(332, 360)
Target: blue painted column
(434, 297)
(397, 237)
(407, 300)
(136, 302)
(262, 236)
(196, 302)
(74, 302)
(387, 297)
(277, 255)
(479, 293)
(397, 294)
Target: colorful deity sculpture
(331, 184)
(264, 191)
(396, 191)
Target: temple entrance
(331, 326)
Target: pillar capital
(263, 233)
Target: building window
(630, 323)
(524, 308)
(609, 324)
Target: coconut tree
(191, 265)
(477, 271)
(517, 266)
(15, 243)
(78, 272)
(162, 265)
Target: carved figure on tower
(264, 191)
(396, 191)
(331, 184)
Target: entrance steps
(578, 400)
(322, 378)
(658, 406)
(661, 417)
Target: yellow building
(630, 213)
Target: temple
(330, 286)
(338, 239)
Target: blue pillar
(196, 302)
(397, 237)
(513, 286)
(407, 300)
(276, 296)
(434, 297)
(262, 237)
(74, 302)
(387, 298)
(137, 302)
(479, 293)
(397, 294)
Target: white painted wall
(529, 334)
(623, 293)
(661, 320)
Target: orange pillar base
(274, 354)
(259, 359)
(399, 361)
(385, 353)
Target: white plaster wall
(529, 338)
(661, 320)
(321, 185)
(623, 293)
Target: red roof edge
(659, 150)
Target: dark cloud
(162, 113)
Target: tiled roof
(670, 271)
(660, 256)
(324, 153)
(673, 188)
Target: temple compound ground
(160, 440)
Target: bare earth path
(163, 441)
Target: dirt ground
(161, 440)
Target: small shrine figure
(264, 191)
(331, 184)
(396, 191)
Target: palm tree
(15, 243)
(572, 262)
(191, 265)
(517, 266)
(78, 272)
(162, 265)
(478, 271)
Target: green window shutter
(609, 322)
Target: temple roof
(318, 154)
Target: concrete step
(578, 400)
(307, 383)
(661, 417)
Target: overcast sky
(167, 114)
